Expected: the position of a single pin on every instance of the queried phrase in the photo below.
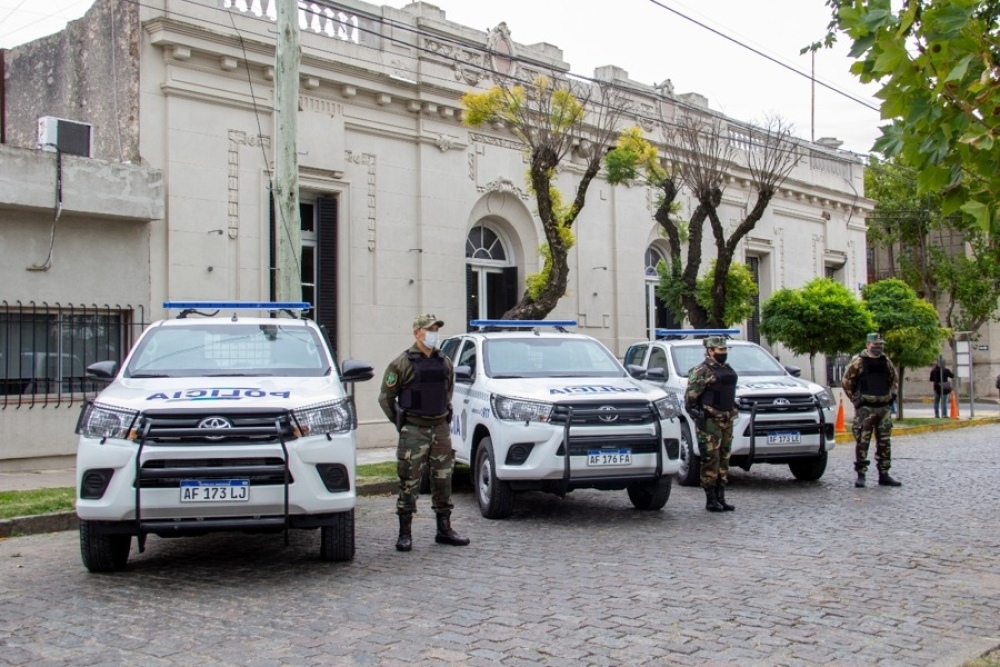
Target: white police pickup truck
(219, 423)
(539, 408)
(783, 419)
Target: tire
(809, 470)
(336, 541)
(496, 498)
(652, 496)
(689, 473)
(102, 552)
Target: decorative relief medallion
(501, 49)
(503, 185)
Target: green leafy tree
(948, 260)
(937, 62)
(821, 317)
(739, 293)
(702, 154)
(909, 324)
(551, 117)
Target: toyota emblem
(607, 414)
(782, 401)
(214, 423)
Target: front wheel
(651, 496)
(337, 540)
(689, 473)
(102, 552)
(809, 470)
(496, 498)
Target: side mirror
(463, 373)
(102, 371)
(794, 371)
(656, 375)
(356, 371)
(635, 371)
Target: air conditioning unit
(70, 137)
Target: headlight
(331, 417)
(825, 398)
(514, 409)
(103, 421)
(668, 407)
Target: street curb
(52, 523)
(897, 431)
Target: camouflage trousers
(715, 442)
(421, 447)
(870, 419)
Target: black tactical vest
(427, 395)
(874, 379)
(721, 394)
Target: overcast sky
(652, 41)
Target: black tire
(689, 473)
(496, 498)
(652, 496)
(336, 541)
(809, 470)
(102, 552)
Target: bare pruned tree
(552, 116)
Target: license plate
(609, 457)
(784, 438)
(215, 490)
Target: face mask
(721, 357)
(876, 350)
(431, 339)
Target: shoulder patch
(390, 379)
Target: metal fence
(45, 349)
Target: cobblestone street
(801, 574)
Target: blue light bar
(697, 332)
(237, 305)
(522, 324)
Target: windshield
(549, 357)
(229, 350)
(746, 360)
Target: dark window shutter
(326, 267)
(272, 248)
(471, 305)
(511, 289)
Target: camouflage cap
(874, 338)
(426, 321)
(716, 341)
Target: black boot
(445, 535)
(720, 495)
(885, 480)
(859, 483)
(712, 500)
(405, 541)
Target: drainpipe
(3, 96)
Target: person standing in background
(870, 381)
(941, 377)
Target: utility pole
(288, 228)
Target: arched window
(490, 280)
(658, 316)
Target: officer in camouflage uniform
(710, 399)
(870, 382)
(416, 396)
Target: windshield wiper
(504, 376)
(148, 375)
(236, 375)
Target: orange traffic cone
(954, 406)
(840, 417)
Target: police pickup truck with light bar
(783, 419)
(538, 408)
(219, 423)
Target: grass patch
(991, 659)
(37, 501)
(921, 421)
(377, 471)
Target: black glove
(698, 415)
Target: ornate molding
(446, 142)
(469, 66)
(503, 57)
(238, 138)
(368, 160)
(503, 185)
(478, 138)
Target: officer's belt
(417, 420)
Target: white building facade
(404, 209)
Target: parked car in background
(783, 419)
(537, 407)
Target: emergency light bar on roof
(187, 307)
(694, 333)
(500, 325)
